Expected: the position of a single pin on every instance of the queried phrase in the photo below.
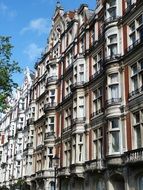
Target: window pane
(136, 118)
(114, 91)
(115, 141)
(113, 38)
(134, 69)
(115, 123)
(132, 27)
(114, 78)
(135, 83)
(138, 136)
(141, 183)
(113, 50)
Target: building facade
(84, 105)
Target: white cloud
(6, 11)
(40, 25)
(33, 51)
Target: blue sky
(28, 23)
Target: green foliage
(7, 68)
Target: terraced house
(85, 103)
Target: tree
(7, 68)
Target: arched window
(140, 183)
(52, 184)
(100, 185)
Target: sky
(28, 23)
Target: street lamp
(55, 163)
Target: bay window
(113, 93)
(80, 147)
(112, 45)
(81, 113)
(51, 123)
(114, 135)
(97, 142)
(67, 153)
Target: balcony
(49, 106)
(77, 85)
(112, 19)
(52, 79)
(64, 171)
(113, 101)
(96, 75)
(134, 44)
(133, 156)
(97, 113)
(49, 135)
(41, 174)
(66, 129)
(40, 147)
(114, 57)
(97, 164)
(67, 97)
(136, 92)
(78, 120)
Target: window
(69, 59)
(82, 45)
(51, 124)
(112, 2)
(75, 74)
(112, 46)
(67, 152)
(100, 184)
(52, 96)
(136, 30)
(74, 149)
(92, 36)
(52, 185)
(81, 107)
(137, 77)
(140, 183)
(68, 86)
(112, 10)
(140, 27)
(68, 117)
(97, 141)
(113, 87)
(97, 101)
(53, 69)
(81, 73)
(75, 108)
(114, 136)
(132, 33)
(137, 126)
(80, 147)
(97, 63)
